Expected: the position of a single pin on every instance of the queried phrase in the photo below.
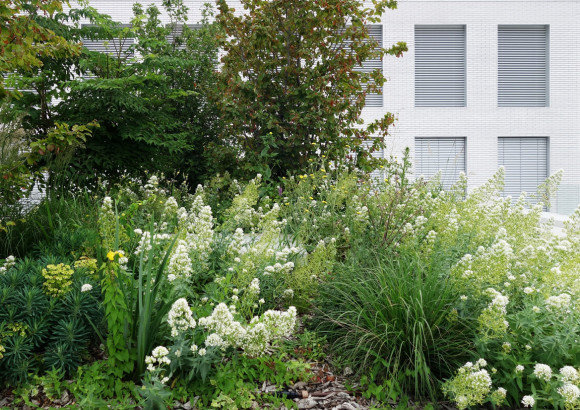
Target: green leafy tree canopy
(289, 88)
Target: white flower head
(543, 371)
(570, 393)
(528, 401)
(87, 287)
(569, 374)
(180, 318)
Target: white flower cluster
(499, 301)
(471, 385)
(215, 340)
(528, 401)
(282, 255)
(151, 185)
(157, 359)
(87, 287)
(361, 212)
(559, 302)
(570, 393)
(199, 230)
(254, 287)
(146, 242)
(254, 337)
(170, 208)
(107, 206)
(543, 371)
(279, 268)
(492, 319)
(236, 245)
(180, 262)
(9, 263)
(180, 318)
(568, 374)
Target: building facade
(485, 83)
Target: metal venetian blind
(440, 66)
(377, 174)
(177, 31)
(445, 154)
(375, 32)
(523, 63)
(525, 160)
(114, 47)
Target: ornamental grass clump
(393, 315)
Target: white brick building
(502, 87)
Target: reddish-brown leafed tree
(288, 84)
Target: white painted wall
(481, 121)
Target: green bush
(42, 327)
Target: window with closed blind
(367, 66)
(440, 66)
(525, 160)
(114, 47)
(523, 66)
(440, 154)
(177, 33)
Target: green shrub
(44, 328)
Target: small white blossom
(87, 287)
(528, 401)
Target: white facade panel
(481, 121)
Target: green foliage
(289, 89)
(234, 382)
(60, 225)
(16, 179)
(149, 109)
(93, 389)
(39, 332)
(392, 314)
(25, 41)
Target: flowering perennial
(180, 318)
(57, 279)
(254, 337)
(471, 386)
(543, 372)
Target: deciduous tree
(289, 88)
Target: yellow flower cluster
(111, 254)
(57, 279)
(89, 264)
(2, 350)
(17, 329)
